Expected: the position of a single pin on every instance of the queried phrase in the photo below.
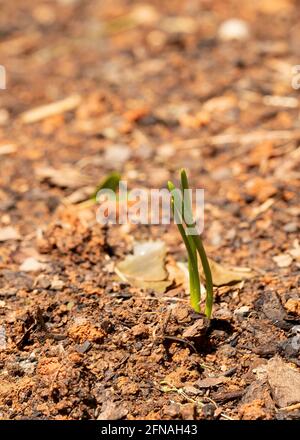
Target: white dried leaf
(283, 260)
(222, 275)
(145, 268)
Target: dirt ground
(148, 88)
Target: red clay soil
(154, 87)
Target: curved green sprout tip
(110, 182)
(182, 210)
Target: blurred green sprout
(110, 182)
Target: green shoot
(195, 292)
(195, 286)
(182, 210)
(110, 182)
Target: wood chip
(65, 177)
(7, 149)
(196, 330)
(281, 101)
(262, 208)
(9, 233)
(55, 108)
(254, 137)
(210, 382)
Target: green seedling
(109, 182)
(182, 210)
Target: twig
(239, 138)
(291, 407)
(55, 108)
(184, 341)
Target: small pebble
(242, 311)
(9, 233)
(3, 340)
(233, 29)
(224, 314)
(43, 282)
(227, 351)
(290, 227)
(57, 284)
(4, 116)
(31, 265)
(172, 410)
(208, 410)
(83, 348)
(28, 366)
(116, 155)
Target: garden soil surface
(145, 89)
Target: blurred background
(145, 88)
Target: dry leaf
(80, 195)
(222, 275)
(65, 177)
(209, 382)
(145, 268)
(284, 382)
(184, 278)
(178, 272)
(283, 260)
